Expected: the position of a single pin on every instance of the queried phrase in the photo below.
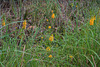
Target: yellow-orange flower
(49, 27)
(76, 5)
(24, 24)
(50, 56)
(53, 15)
(51, 38)
(48, 48)
(3, 23)
(92, 20)
(47, 20)
(71, 56)
(52, 11)
(41, 37)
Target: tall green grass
(73, 36)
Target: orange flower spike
(53, 15)
(71, 56)
(24, 24)
(49, 27)
(92, 20)
(50, 56)
(48, 48)
(24, 27)
(3, 23)
(47, 20)
(41, 37)
(52, 11)
(51, 38)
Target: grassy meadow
(50, 33)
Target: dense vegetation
(50, 33)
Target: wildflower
(50, 56)
(3, 23)
(49, 27)
(41, 37)
(53, 15)
(71, 56)
(24, 24)
(48, 48)
(76, 5)
(92, 20)
(47, 20)
(52, 11)
(51, 38)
